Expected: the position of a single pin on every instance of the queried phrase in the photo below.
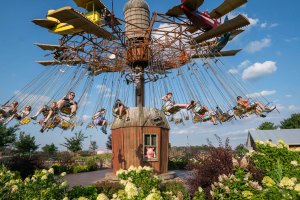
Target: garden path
(88, 178)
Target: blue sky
(268, 62)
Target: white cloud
(244, 64)
(33, 100)
(293, 39)
(266, 25)
(258, 45)
(262, 93)
(233, 71)
(263, 25)
(293, 108)
(258, 70)
(274, 25)
(288, 95)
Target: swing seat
(64, 125)
(187, 118)
(90, 126)
(24, 121)
(268, 110)
(171, 111)
(224, 117)
(178, 121)
(66, 111)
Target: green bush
(89, 192)
(80, 168)
(108, 188)
(276, 160)
(175, 187)
(177, 163)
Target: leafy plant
(89, 192)
(25, 144)
(108, 188)
(74, 144)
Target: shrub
(205, 172)
(80, 168)
(108, 188)
(25, 165)
(276, 161)
(42, 185)
(177, 163)
(89, 192)
(175, 187)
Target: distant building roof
(289, 136)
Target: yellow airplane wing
(90, 5)
(79, 21)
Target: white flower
(102, 197)
(131, 190)
(44, 171)
(120, 171)
(44, 177)
(147, 168)
(115, 196)
(63, 174)
(66, 198)
(294, 162)
(200, 189)
(64, 184)
(51, 171)
(14, 188)
(33, 179)
(131, 168)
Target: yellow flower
(44, 171)
(280, 141)
(247, 194)
(64, 184)
(131, 190)
(102, 197)
(14, 188)
(267, 181)
(44, 177)
(294, 162)
(286, 182)
(297, 187)
(82, 198)
(66, 198)
(51, 171)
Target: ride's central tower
(137, 31)
(144, 139)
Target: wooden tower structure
(144, 140)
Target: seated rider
(99, 120)
(119, 108)
(20, 115)
(7, 111)
(257, 106)
(169, 104)
(202, 111)
(68, 102)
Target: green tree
(50, 149)
(7, 135)
(74, 144)
(25, 144)
(267, 126)
(109, 142)
(291, 123)
(93, 146)
(240, 150)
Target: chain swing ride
(171, 56)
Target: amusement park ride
(171, 55)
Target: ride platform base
(141, 141)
